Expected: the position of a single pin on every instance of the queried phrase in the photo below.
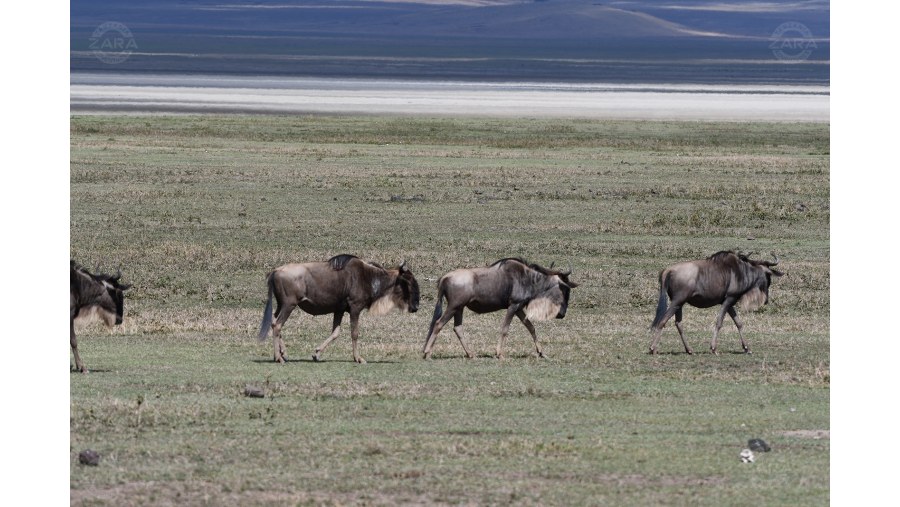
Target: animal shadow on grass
(309, 360)
(700, 352)
(482, 355)
(73, 370)
(674, 353)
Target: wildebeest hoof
(470, 356)
(359, 360)
(690, 352)
(652, 352)
(315, 357)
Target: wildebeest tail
(267, 312)
(663, 298)
(438, 308)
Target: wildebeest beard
(752, 300)
(542, 308)
(95, 313)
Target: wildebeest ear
(124, 287)
(776, 272)
(403, 267)
(572, 285)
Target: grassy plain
(197, 209)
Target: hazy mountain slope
(551, 19)
(620, 41)
(545, 20)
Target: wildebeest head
(403, 294)
(98, 295)
(552, 299)
(406, 291)
(115, 291)
(760, 280)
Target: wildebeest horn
(775, 262)
(569, 272)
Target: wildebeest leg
(657, 330)
(354, 335)
(277, 342)
(335, 331)
(726, 306)
(739, 325)
(504, 329)
(457, 328)
(530, 327)
(429, 343)
(687, 347)
(78, 364)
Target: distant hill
(546, 19)
(617, 41)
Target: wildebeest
(343, 284)
(527, 291)
(93, 296)
(724, 278)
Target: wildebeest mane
(721, 256)
(726, 255)
(538, 268)
(100, 277)
(338, 262)
(507, 259)
(541, 269)
(78, 268)
(734, 262)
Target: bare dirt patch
(814, 434)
